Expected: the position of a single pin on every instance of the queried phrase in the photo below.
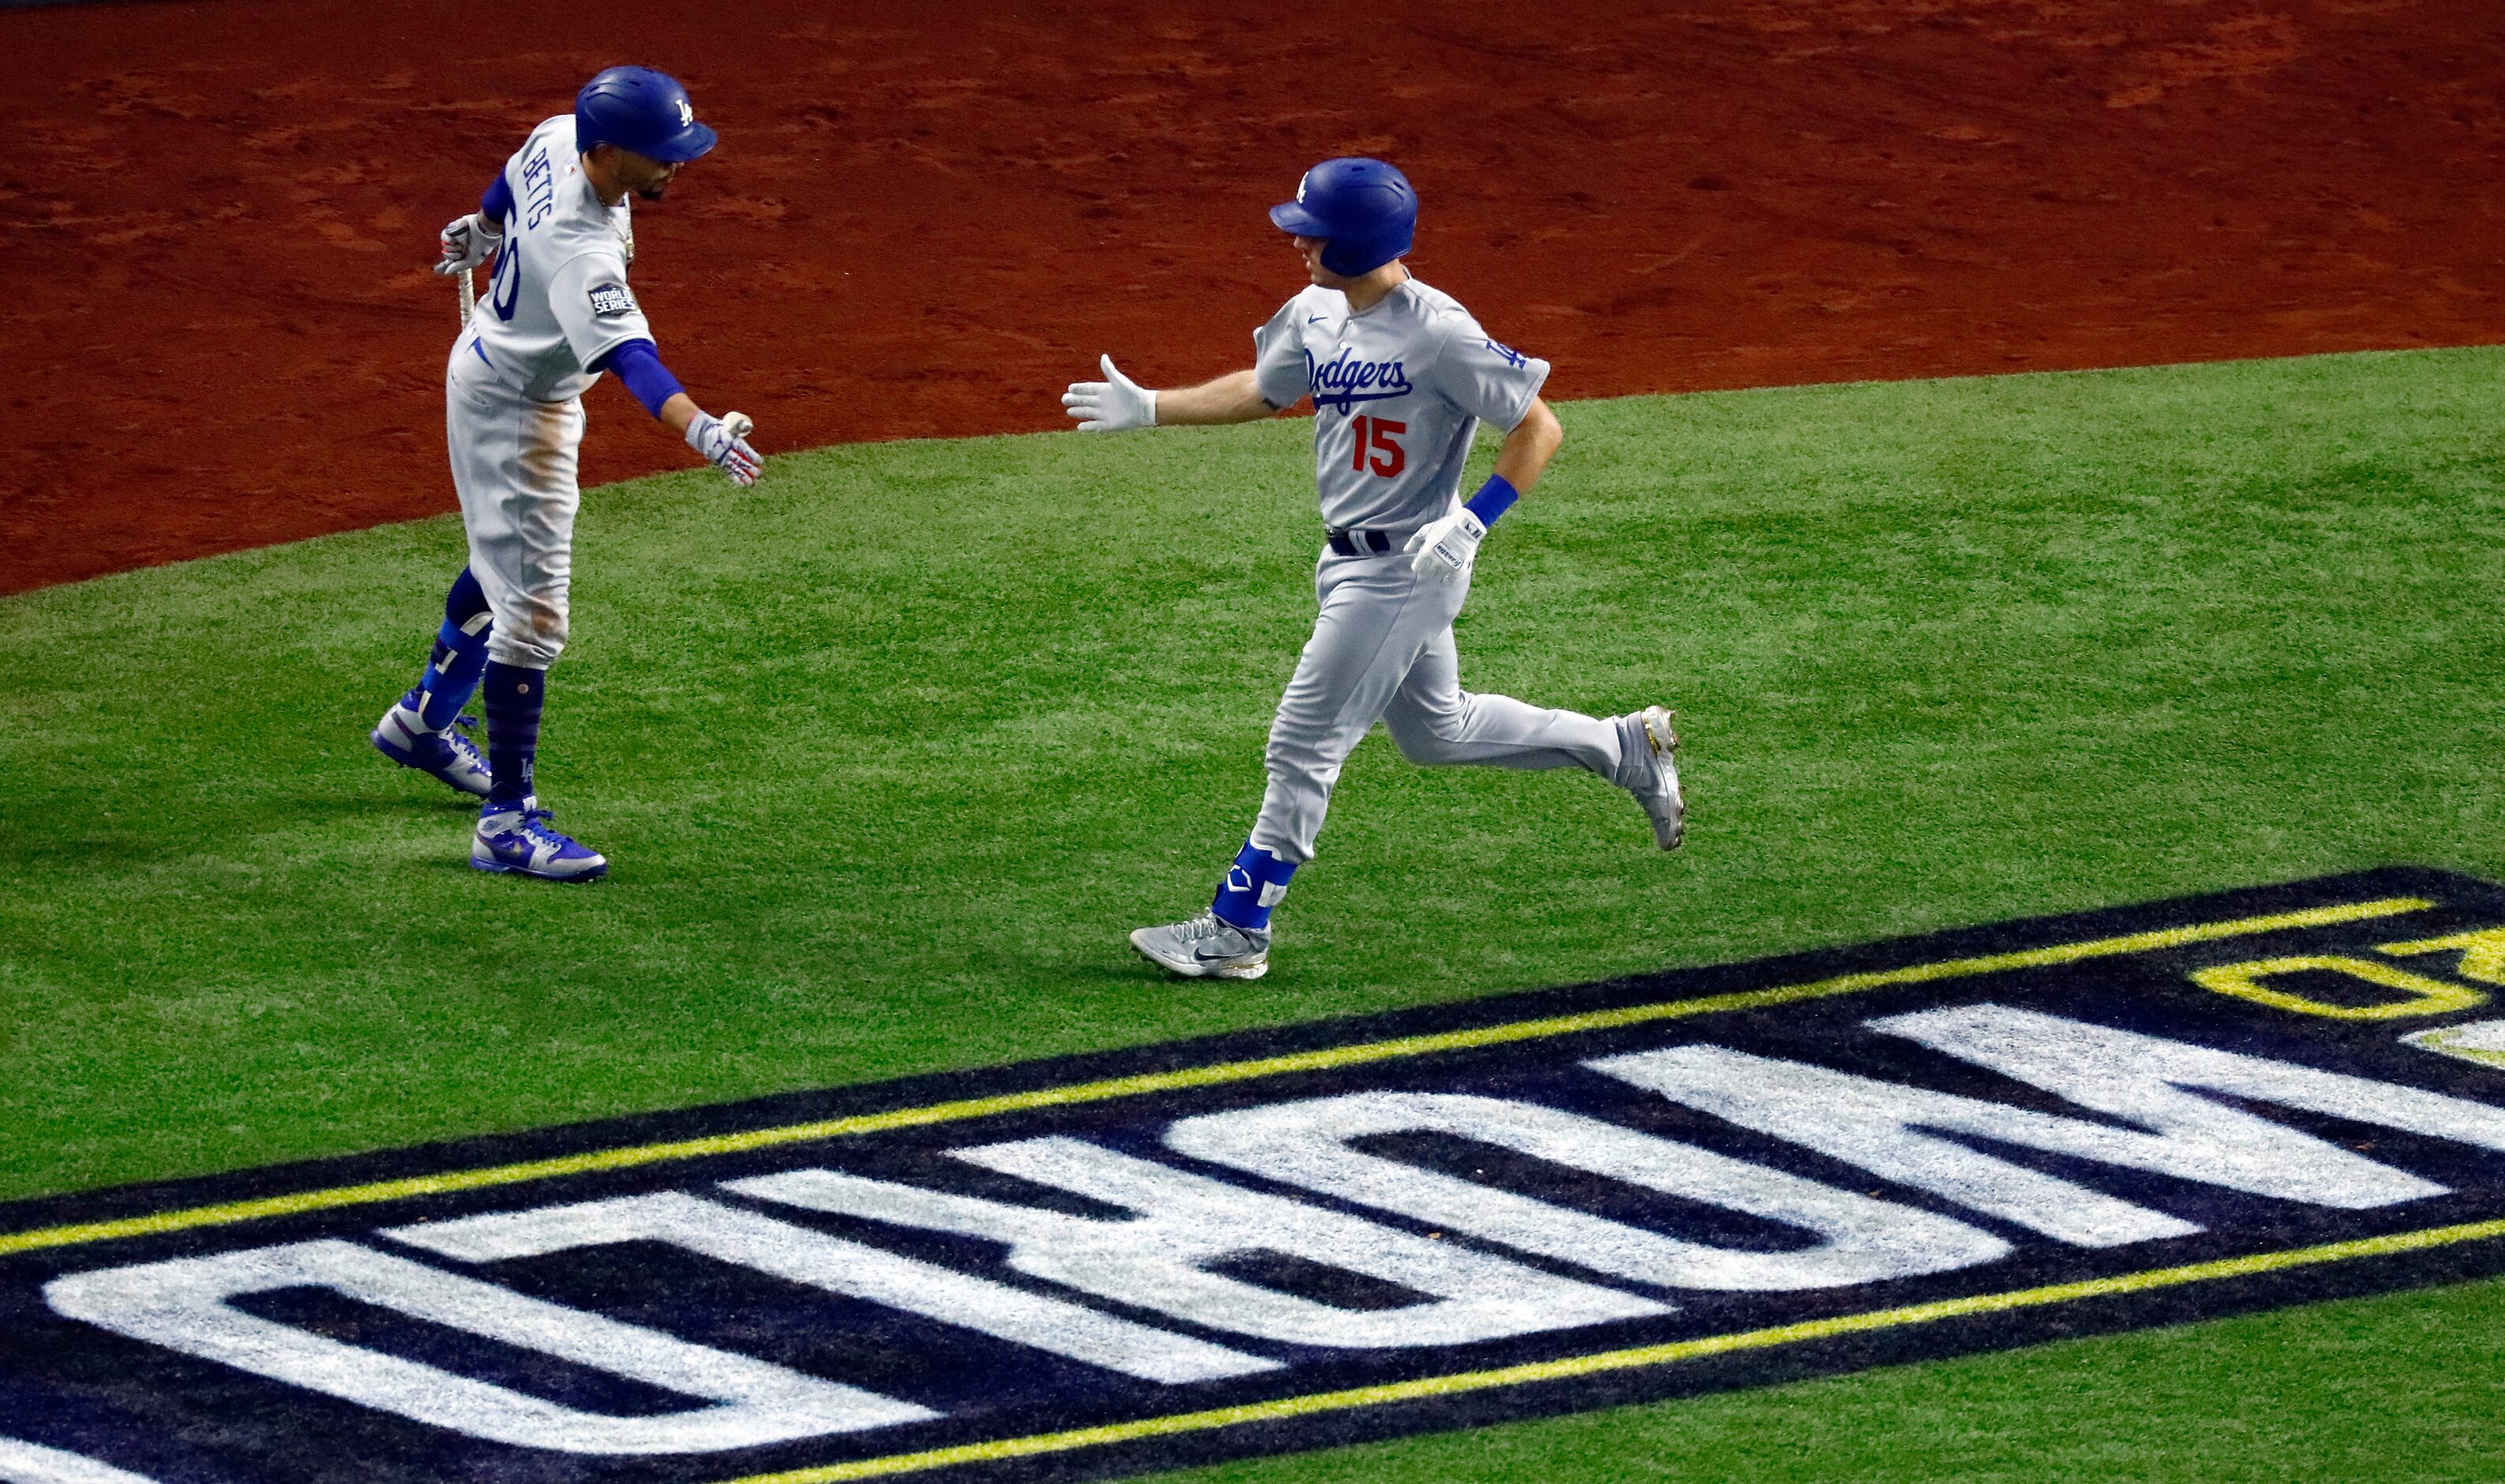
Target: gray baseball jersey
(514, 388)
(558, 300)
(1398, 392)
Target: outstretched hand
(1114, 404)
(723, 442)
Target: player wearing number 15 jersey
(1400, 376)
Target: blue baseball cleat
(521, 843)
(446, 754)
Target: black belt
(1359, 543)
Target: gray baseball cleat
(1657, 785)
(1207, 948)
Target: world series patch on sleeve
(1671, 1184)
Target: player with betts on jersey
(556, 315)
(1400, 377)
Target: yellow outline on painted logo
(1572, 1367)
(380, 1191)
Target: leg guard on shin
(460, 654)
(513, 697)
(1254, 885)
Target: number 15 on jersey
(1376, 447)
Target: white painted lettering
(2142, 1077)
(183, 1305)
(2139, 1079)
(24, 1463)
(1155, 1259)
(1862, 1240)
(798, 1254)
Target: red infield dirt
(925, 220)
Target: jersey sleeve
(496, 202)
(594, 306)
(1485, 377)
(1279, 366)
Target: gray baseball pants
(1383, 648)
(514, 462)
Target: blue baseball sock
(1254, 884)
(514, 696)
(460, 655)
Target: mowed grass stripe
(1216, 1074)
(1574, 1367)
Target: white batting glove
(1116, 404)
(1446, 548)
(468, 241)
(723, 442)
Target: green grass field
(890, 752)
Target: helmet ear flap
(1352, 256)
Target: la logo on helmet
(687, 111)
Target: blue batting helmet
(1365, 209)
(639, 109)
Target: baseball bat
(469, 295)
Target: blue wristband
(1493, 499)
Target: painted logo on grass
(1682, 1182)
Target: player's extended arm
(1446, 548)
(1119, 403)
(1231, 397)
(721, 441)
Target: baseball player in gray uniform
(1400, 377)
(557, 315)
